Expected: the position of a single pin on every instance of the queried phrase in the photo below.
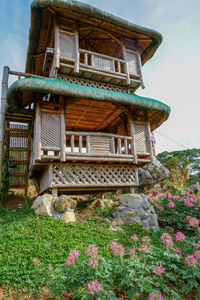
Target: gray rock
(56, 214)
(64, 202)
(154, 173)
(136, 209)
(132, 200)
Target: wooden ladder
(18, 142)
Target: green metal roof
(38, 7)
(19, 94)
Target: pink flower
(167, 239)
(197, 254)
(132, 253)
(117, 249)
(159, 206)
(180, 236)
(196, 245)
(50, 267)
(71, 258)
(36, 260)
(188, 217)
(144, 248)
(146, 240)
(190, 260)
(134, 238)
(171, 204)
(158, 270)
(92, 251)
(155, 296)
(94, 286)
(176, 213)
(177, 250)
(193, 222)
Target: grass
(25, 236)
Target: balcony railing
(97, 146)
(88, 62)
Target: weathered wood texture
(2, 115)
(81, 176)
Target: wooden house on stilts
(73, 122)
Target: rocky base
(134, 209)
(59, 208)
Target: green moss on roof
(17, 94)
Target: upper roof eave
(76, 6)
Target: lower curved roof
(21, 93)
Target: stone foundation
(135, 209)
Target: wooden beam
(132, 133)
(62, 130)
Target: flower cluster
(134, 238)
(180, 236)
(92, 251)
(71, 258)
(191, 260)
(146, 239)
(167, 239)
(132, 253)
(155, 296)
(94, 287)
(117, 249)
(158, 270)
(193, 222)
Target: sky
(171, 76)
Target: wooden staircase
(17, 150)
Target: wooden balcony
(68, 59)
(96, 147)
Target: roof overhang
(148, 39)
(23, 91)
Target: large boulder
(136, 209)
(43, 205)
(64, 202)
(152, 174)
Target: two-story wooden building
(73, 121)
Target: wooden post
(140, 69)
(2, 115)
(37, 132)
(77, 54)
(62, 131)
(56, 51)
(126, 63)
(149, 141)
(72, 143)
(88, 144)
(132, 133)
(119, 145)
(86, 58)
(126, 146)
(113, 145)
(80, 143)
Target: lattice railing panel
(50, 130)
(97, 85)
(80, 175)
